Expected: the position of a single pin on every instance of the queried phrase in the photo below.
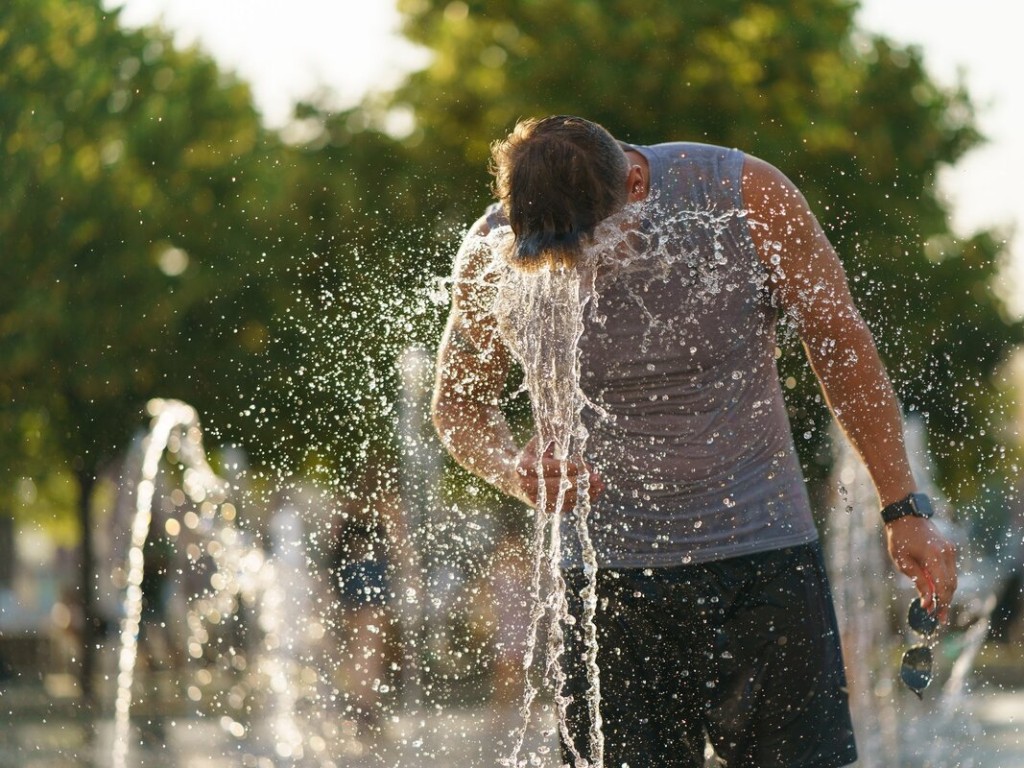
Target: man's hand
(926, 556)
(551, 477)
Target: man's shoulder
(691, 147)
(494, 216)
(694, 157)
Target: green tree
(132, 192)
(366, 229)
(853, 118)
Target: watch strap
(916, 504)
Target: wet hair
(557, 178)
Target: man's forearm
(479, 439)
(862, 399)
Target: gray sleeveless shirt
(690, 433)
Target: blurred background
(251, 208)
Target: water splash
(889, 733)
(174, 423)
(540, 316)
(857, 561)
(270, 670)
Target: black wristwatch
(916, 504)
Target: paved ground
(985, 732)
(41, 730)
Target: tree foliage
(131, 188)
(130, 194)
(155, 239)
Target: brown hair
(557, 178)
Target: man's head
(557, 178)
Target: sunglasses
(917, 667)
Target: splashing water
(271, 587)
(176, 422)
(889, 733)
(856, 560)
(541, 317)
(540, 314)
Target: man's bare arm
(808, 280)
(472, 368)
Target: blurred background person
(361, 574)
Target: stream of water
(172, 422)
(541, 313)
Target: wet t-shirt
(685, 419)
(691, 435)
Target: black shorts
(744, 652)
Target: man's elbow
(441, 417)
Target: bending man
(715, 618)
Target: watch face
(921, 505)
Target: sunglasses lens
(916, 669)
(920, 620)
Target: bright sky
(977, 39)
(288, 50)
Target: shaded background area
(161, 236)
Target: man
(715, 618)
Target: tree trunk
(86, 585)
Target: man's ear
(636, 184)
